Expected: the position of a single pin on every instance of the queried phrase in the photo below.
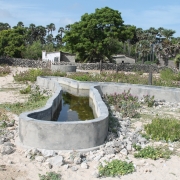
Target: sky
(140, 13)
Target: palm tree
(61, 31)
(52, 27)
(20, 24)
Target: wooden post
(150, 78)
(100, 65)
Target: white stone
(84, 165)
(124, 152)
(56, 161)
(39, 159)
(48, 153)
(74, 168)
(7, 150)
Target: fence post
(100, 65)
(150, 78)
(116, 68)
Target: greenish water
(74, 108)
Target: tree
(33, 51)
(12, 42)
(4, 26)
(93, 37)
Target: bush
(164, 129)
(4, 70)
(149, 100)
(115, 168)
(31, 74)
(125, 103)
(27, 90)
(152, 153)
(50, 176)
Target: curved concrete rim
(96, 90)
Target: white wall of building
(52, 56)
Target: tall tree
(12, 42)
(90, 37)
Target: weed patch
(115, 168)
(125, 103)
(50, 176)
(151, 152)
(164, 129)
(31, 74)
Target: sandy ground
(17, 167)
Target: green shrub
(149, 100)
(50, 176)
(31, 74)
(4, 70)
(125, 103)
(164, 129)
(115, 168)
(152, 153)
(27, 90)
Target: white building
(54, 57)
(119, 58)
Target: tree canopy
(96, 36)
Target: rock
(1, 141)
(129, 147)
(95, 174)
(48, 165)
(56, 161)
(110, 150)
(48, 153)
(10, 162)
(77, 160)
(8, 144)
(124, 152)
(74, 168)
(66, 166)
(7, 150)
(84, 165)
(97, 158)
(39, 159)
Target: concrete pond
(37, 130)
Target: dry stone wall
(81, 66)
(24, 62)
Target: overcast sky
(141, 13)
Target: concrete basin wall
(36, 131)
(63, 68)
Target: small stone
(48, 165)
(129, 147)
(95, 174)
(7, 150)
(8, 144)
(124, 152)
(66, 166)
(48, 153)
(77, 160)
(74, 168)
(10, 162)
(56, 161)
(110, 150)
(84, 165)
(39, 159)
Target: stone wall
(82, 66)
(24, 62)
(114, 67)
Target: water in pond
(74, 108)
